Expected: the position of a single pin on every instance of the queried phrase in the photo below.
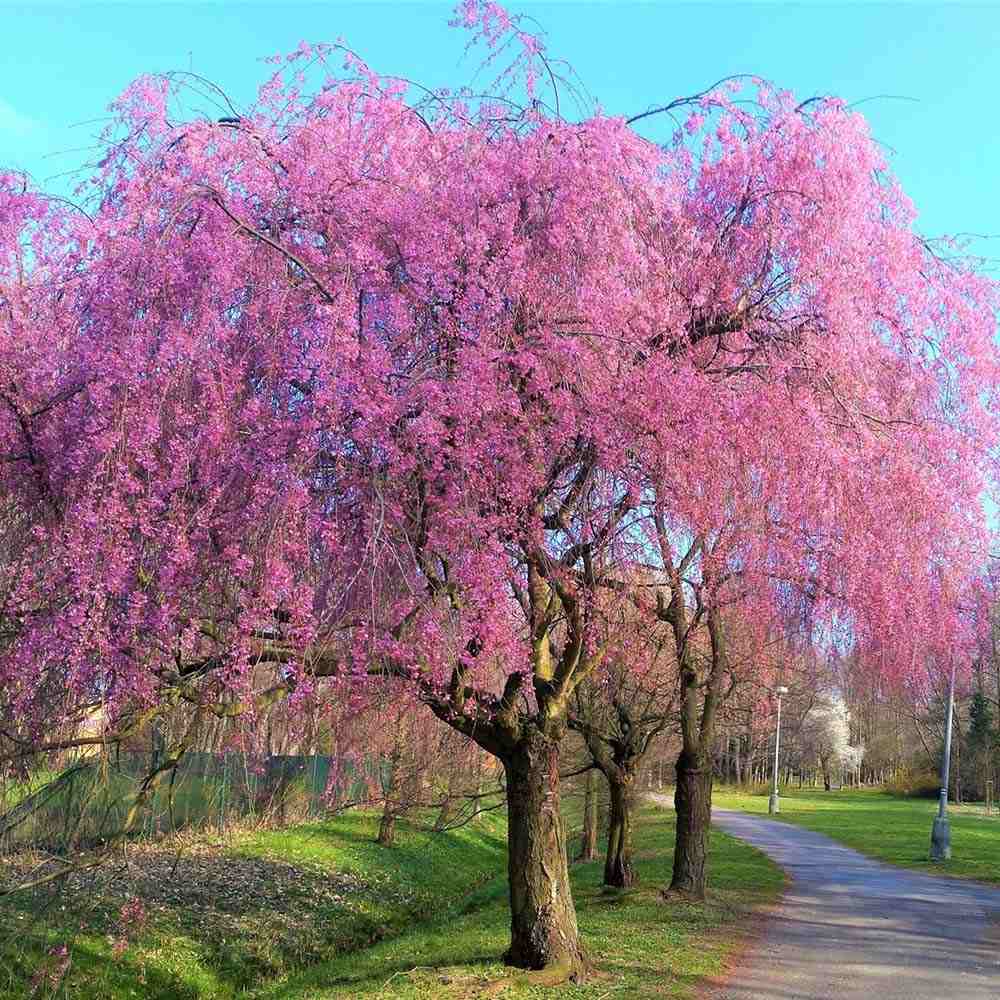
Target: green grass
(645, 948)
(269, 918)
(882, 826)
(225, 916)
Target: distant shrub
(918, 785)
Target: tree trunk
(542, 916)
(618, 869)
(693, 803)
(387, 828)
(449, 805)
(588, 837)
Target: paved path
(850, 928)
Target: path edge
(746, 932)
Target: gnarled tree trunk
(387, 827)
(542, 916)
(527, 741)
(449, 807)
(618, 742)
(618, 868)
(449, 804)
(693, 793)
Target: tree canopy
(358, 379)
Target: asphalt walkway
(851, 928)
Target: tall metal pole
(941, 830)
(773, 805)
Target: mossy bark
(449, 805)
(543, 926)
(387, 829)
(701, 695)
(618, 868)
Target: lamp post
(772, 805)
(941, 830)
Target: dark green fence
(88, 801)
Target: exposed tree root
(556, 974)
(671, 895)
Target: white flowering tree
(825, 736)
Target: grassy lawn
(320, 911)
(891, 829)
(646, 948)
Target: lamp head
(781, 690)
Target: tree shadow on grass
(462, 945)
(445, 971)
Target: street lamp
(941, 831)
(772, 805)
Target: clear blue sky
(62, 64)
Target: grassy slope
(647, 948)
(265, 920)
(890, 829)
(227, 916)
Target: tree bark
(618, 867)
(699, 704)
(387, 828)
(544, 934)
(588, 836)
(693, 803)
(449, 805)
(543, 919)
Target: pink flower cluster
(335, 374)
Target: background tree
(825, 735)
(981, 743)
(619, 714)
